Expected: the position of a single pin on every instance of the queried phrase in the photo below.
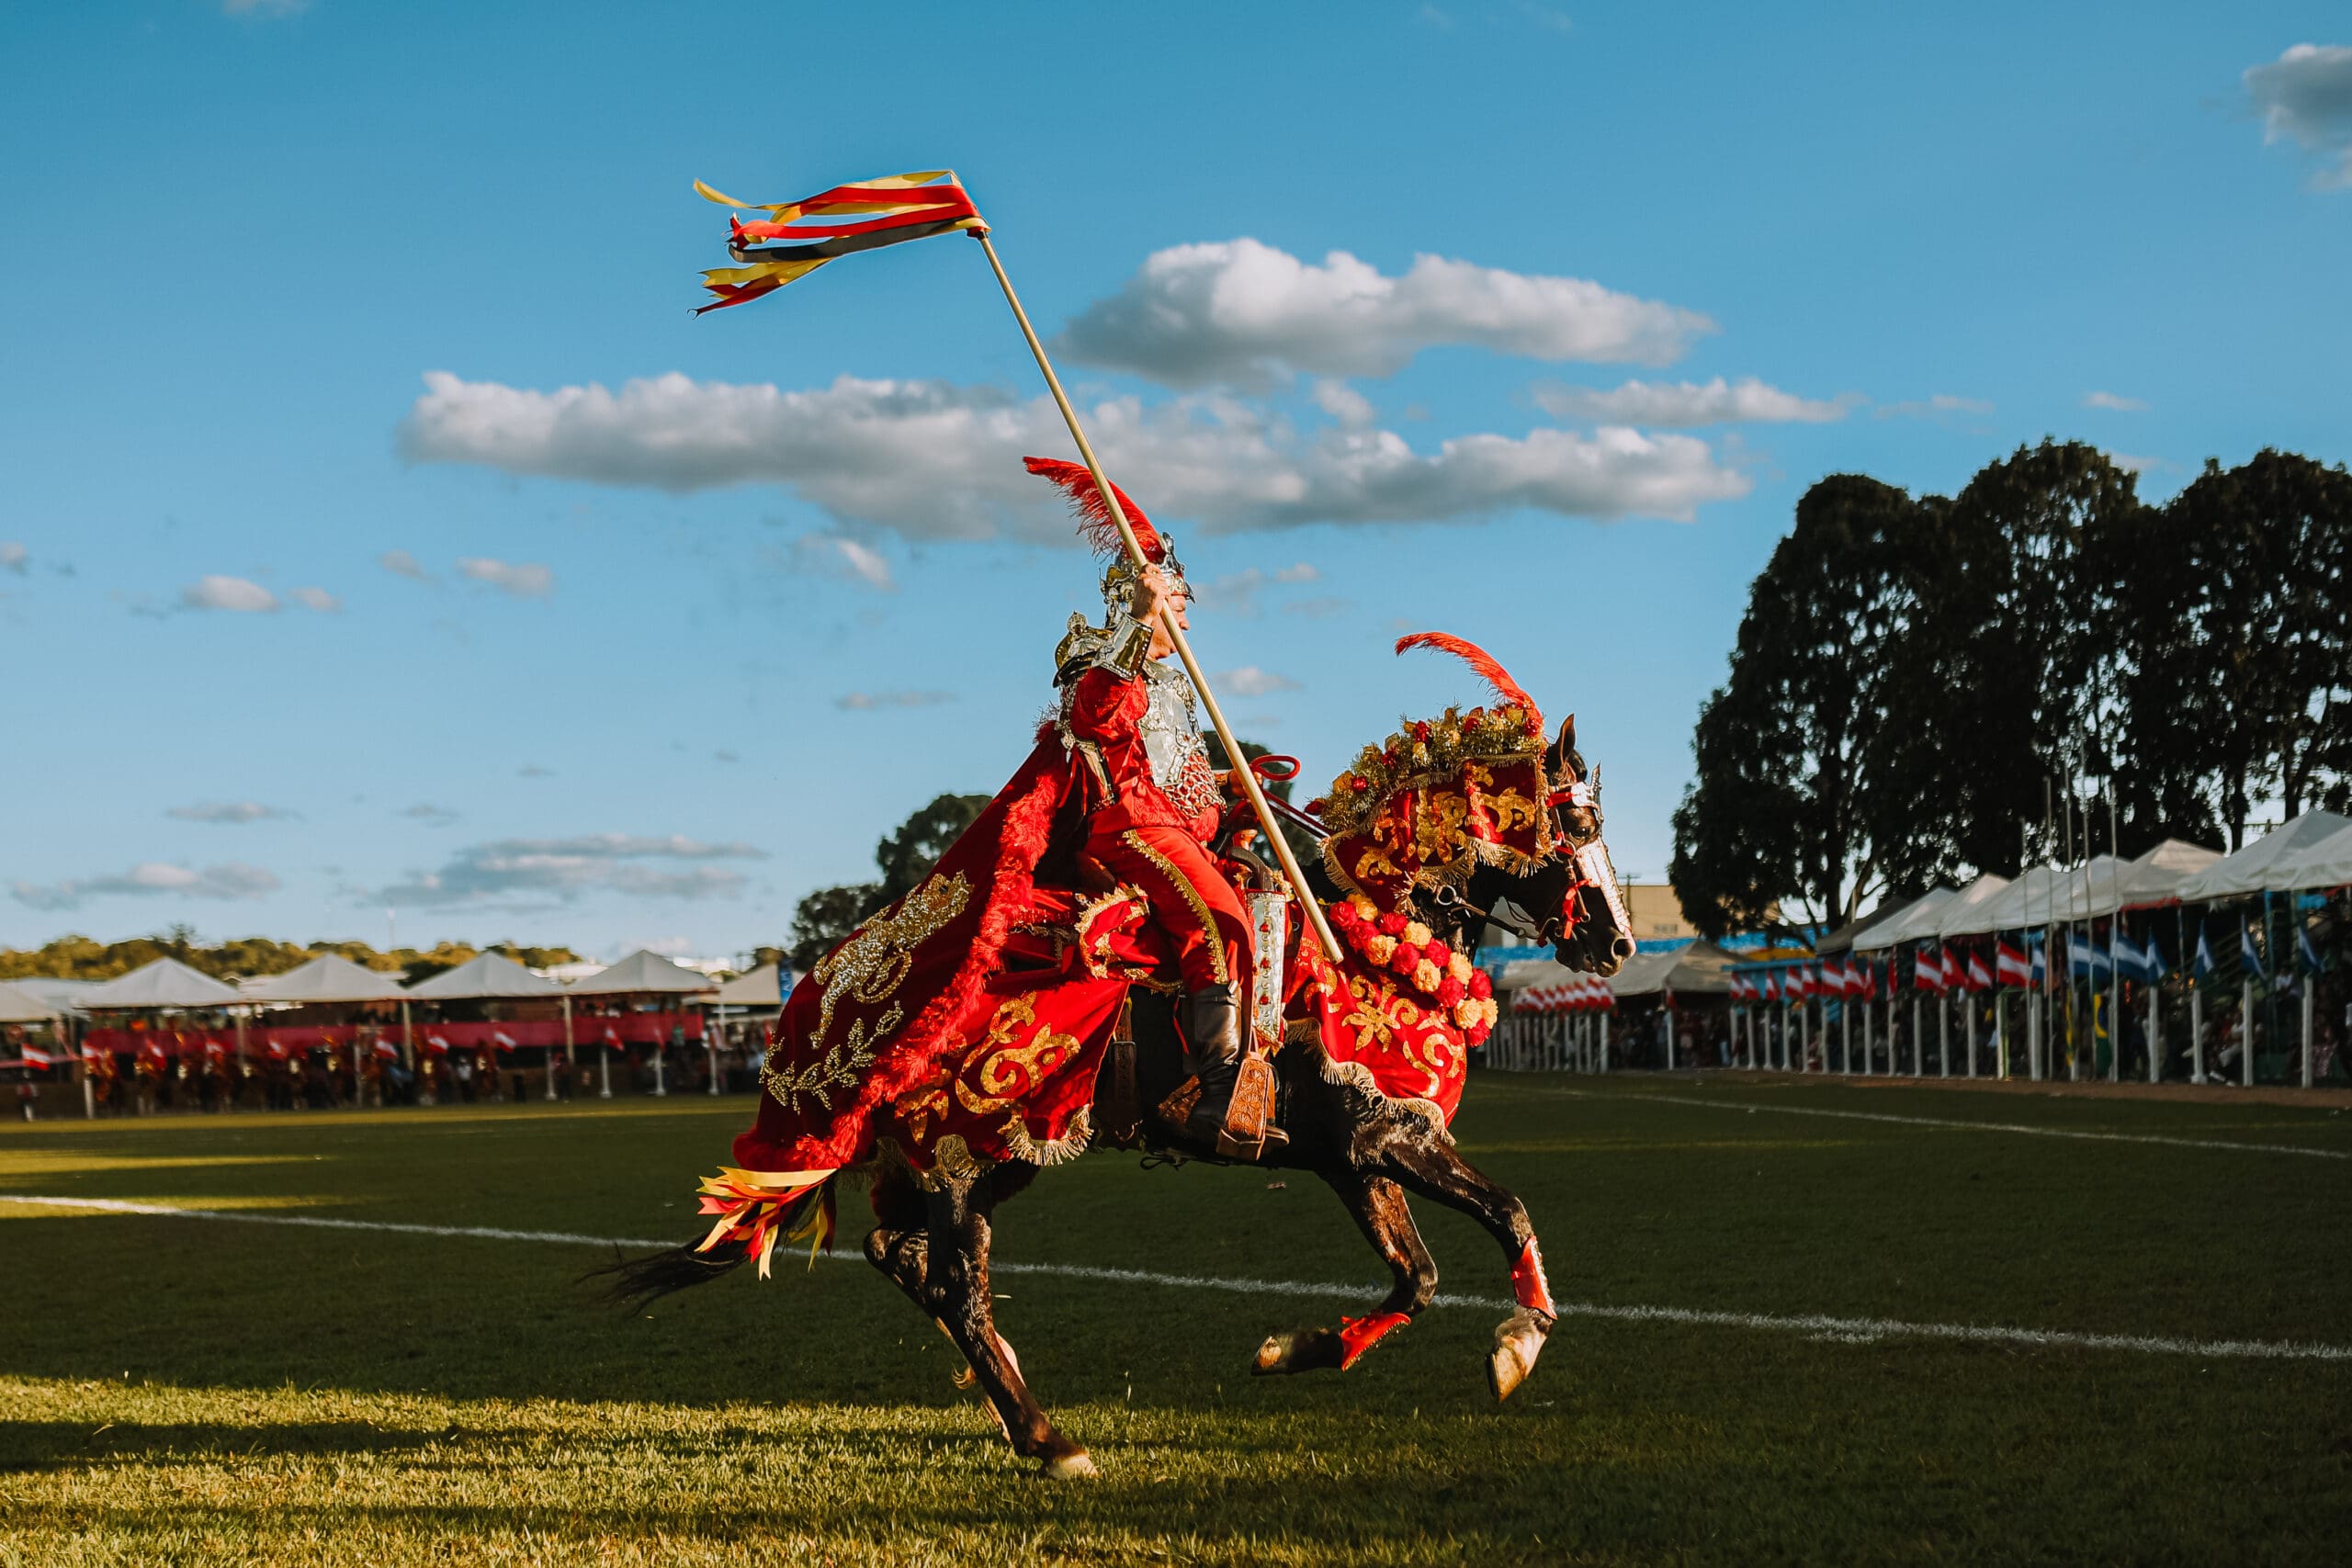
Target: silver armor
(1170, 725)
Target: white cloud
(317, 599)
(564, 869)
(432, 815)
(1941, 406)
(1236, 592)
(2131, 465)
(230, 811)
(523, 580)
(232, 880)
(1685, 403)
(1238, 312)
(865, 702)
(1251, 681)
(932, 460)
(15, 557)
(232, 593)
(534, 771)
(838, 555)
(1344, 403)
(400, 563)
(2305, 97)
(2114, 402)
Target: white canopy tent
(2250, 870)
(330, 978)
(487, 977)
(1958, 915)
(2106, 884)
(63, 995)
(763, 987)
(18, 1006)
(166, 983)
(1921, 918)
(644, 974)
(2028, 900)
(2327, 863)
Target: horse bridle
(1586, 856)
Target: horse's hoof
(1075, 1466)
(1518, 1341)
(1309, 1351)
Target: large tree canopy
(1911, 675)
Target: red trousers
(1191, 903)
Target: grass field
(186, 1390)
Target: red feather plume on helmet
(1094, 523)
(1478, 658)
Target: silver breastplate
(1171, 730)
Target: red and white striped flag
(1928, 971)
(2011, 967)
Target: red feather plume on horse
(1490, 669)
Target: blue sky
(632, 627)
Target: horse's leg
(1430, 1166)
(1378, 1206)
(955, 1293)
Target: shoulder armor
(1123, 646)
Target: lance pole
(1307, 904)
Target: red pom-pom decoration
(1404, 960)
(1438, 952)
(1481, 986)
(1392, 925)
(1452, 991)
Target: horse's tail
(636, 1282)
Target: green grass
(177, 1391)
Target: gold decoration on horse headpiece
(1441, 797)
(1094, 525)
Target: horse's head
(1569, 898)
(1473, 817)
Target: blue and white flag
(2304, 946)
(2086, 958)
(2131, 962)
(2204, 965)
(2152, 967)
(2248, 954)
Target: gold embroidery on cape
(995, 1070)
(867, 969)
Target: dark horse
(934, 1245)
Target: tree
(825, 918)
(2025, 631)
(1805, 790)
(2269, 600)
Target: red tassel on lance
(1094, 523)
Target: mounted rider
(1156, 801)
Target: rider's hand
(1149, 590)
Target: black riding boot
(1211, 1023)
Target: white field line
(1859, 1330)
(1640, 1098)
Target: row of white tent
(168, 985)
(2311, 851)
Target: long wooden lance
(1241, 769)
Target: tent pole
(2245, 1032)
(2196, 1031)
(2309, 1064)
